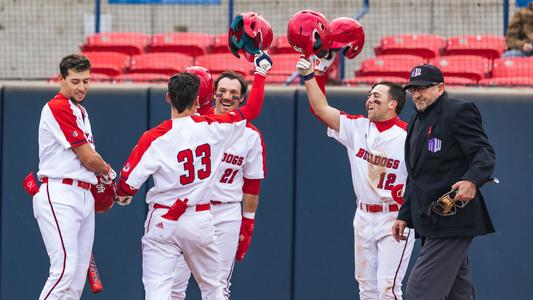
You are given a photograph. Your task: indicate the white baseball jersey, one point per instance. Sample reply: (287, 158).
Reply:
(375, 150)
(181, 155)
(64, 212)
(243, 159)
(63, 125)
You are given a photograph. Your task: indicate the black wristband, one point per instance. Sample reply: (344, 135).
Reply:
(308, 76)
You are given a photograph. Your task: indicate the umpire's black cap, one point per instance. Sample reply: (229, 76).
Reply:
(424, 75)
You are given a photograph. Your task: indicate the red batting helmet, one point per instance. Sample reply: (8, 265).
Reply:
(348, 33)
(104, 196)
(309, 32)
(249, 34)
(206, 91)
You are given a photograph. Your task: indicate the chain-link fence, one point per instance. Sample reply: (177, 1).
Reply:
(36, 34)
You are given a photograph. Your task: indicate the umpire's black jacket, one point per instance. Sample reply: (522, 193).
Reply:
(454, 126)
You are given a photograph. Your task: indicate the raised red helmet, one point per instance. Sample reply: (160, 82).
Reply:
(249, 34)
(309, 32)
(207, 89)
(347, 33)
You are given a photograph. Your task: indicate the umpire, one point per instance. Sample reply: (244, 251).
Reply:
(445, 149)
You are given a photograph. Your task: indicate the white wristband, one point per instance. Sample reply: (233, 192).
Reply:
(248, 215)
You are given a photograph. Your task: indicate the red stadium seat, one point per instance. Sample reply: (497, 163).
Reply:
(283, 64)
(452, 80)
(423, 45)
(190, 43)
(95, 77)
(513, 67)
(99, 77)
(278, 79)
(374, 80)
(110, 63)
(507, 81)
(489, 46)
(219, 44)
(389, 65)
(275, 79)
(130, 43)
(142, 78)
(164, 63)
(220, 62)
(281, 46)
(467, 66)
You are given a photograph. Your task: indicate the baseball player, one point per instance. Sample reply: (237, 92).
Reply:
(68, 164)
(182, 155)
(375, 146)
(238, 180)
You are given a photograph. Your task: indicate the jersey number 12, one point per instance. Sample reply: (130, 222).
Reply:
(386, 181)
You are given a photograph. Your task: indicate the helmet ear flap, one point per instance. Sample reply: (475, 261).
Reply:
(235, 28)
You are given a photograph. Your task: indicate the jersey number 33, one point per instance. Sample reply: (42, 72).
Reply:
(187, 157)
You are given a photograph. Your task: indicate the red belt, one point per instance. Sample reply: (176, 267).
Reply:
(216, 202)
(82, 184)
(198, 207)
(375, 208)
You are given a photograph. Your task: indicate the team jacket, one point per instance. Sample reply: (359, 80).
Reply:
(63, 125)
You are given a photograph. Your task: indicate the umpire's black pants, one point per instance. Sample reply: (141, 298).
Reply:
(442, 271)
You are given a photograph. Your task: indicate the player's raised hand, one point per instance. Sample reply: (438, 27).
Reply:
(398, 229)
(263, 63)
(304, 67)
(322, 64)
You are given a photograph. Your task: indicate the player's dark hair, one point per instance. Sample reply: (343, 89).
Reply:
(76, 62)
(183, 90)
(396, 92)
(233, 75)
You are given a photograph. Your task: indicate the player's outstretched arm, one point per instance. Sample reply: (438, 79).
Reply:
(327, 114)
(253, 106)
(141, 163)
(321, 67)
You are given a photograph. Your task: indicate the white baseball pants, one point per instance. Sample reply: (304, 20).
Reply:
(380, 261)
(65, 214)
(227, 218)
(165, 242)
